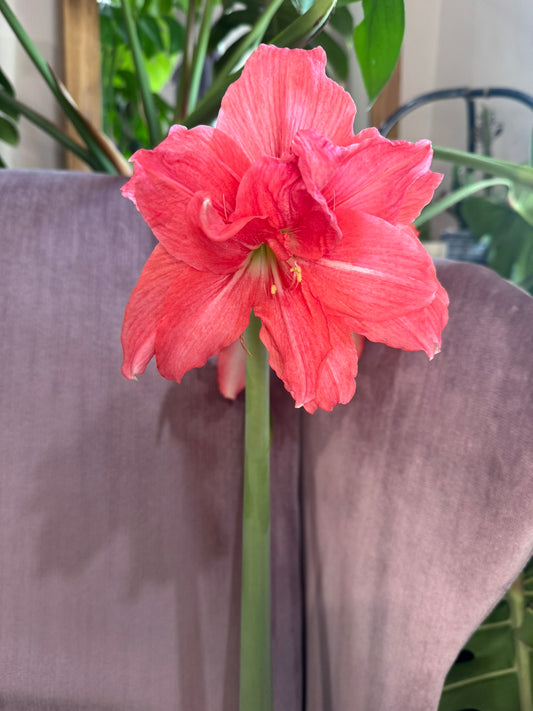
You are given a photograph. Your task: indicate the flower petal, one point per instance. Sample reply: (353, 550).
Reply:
(232, 370)
(166, 179)
(274, 190)
(202, 314)
(144, 311)
(314, 355)
(375, 273)
(280, 92)
(418, 330)
(389, 179)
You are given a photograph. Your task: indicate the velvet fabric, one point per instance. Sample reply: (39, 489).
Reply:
(398, 520)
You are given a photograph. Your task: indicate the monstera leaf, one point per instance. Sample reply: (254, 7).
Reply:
(493, 671)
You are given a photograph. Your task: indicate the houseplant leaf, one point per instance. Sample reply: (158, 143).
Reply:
(378, 40)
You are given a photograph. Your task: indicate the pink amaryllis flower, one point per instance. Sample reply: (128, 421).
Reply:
(281, 209)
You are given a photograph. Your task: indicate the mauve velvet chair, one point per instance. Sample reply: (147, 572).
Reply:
(398, 520)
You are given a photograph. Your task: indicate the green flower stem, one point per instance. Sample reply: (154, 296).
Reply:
(517, 605)
(198, 58)
(522, 174)
(9, 102)
(147, 99)
(256, 656)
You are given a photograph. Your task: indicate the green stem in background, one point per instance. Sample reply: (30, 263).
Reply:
(185, 70)
(256, 655)
(147, 98)
(516, 600)
(72, 113)
(250, 40)
(9, 102)
(522, 174)
(298, 33)
(200, 51)
(435, 208)
(304, 28)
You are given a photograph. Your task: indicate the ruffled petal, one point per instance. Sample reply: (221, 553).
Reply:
(314, 355)
(143, 311)
(388, 179)
(279, 93)
(273, 190)
(232, 370)
(202, 314)
(418, 330)
(375, 273)
(165, 182)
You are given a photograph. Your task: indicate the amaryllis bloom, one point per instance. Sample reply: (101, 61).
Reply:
(282, 210)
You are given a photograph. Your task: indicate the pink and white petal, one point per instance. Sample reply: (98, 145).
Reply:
(143, 310)
(232, 370)
(202, 314)
(316, 361)
(419, 330)
(280, 92)
(273, 190)
(375, 273)
(389, 179)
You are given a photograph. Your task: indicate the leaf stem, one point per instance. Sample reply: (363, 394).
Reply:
(142, 75)
(48, 127)
(435, 208)
(199, 54)
(522, 174)
(182, 99)
(256, 656)
(515, 598)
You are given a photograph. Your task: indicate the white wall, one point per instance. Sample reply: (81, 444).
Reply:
(40, 18)
(476, 43)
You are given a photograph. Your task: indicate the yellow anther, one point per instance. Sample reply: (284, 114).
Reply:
(297, 271)
(273, 289)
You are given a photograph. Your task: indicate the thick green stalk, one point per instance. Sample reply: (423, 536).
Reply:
(517, 606)
(198, 58)
(522, 174)
(147, 99)
(256, 656)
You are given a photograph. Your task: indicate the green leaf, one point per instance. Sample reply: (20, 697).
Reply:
(176, 34)
(493, 671)
(302, 6)
(342, 20)
(438, 206)
(521, 200)
(378, 40)
(8, 131)
(337, 56)
(160, 68)
(6, 84)
(507, 231)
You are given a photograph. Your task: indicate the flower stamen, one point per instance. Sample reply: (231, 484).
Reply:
(297, 271)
